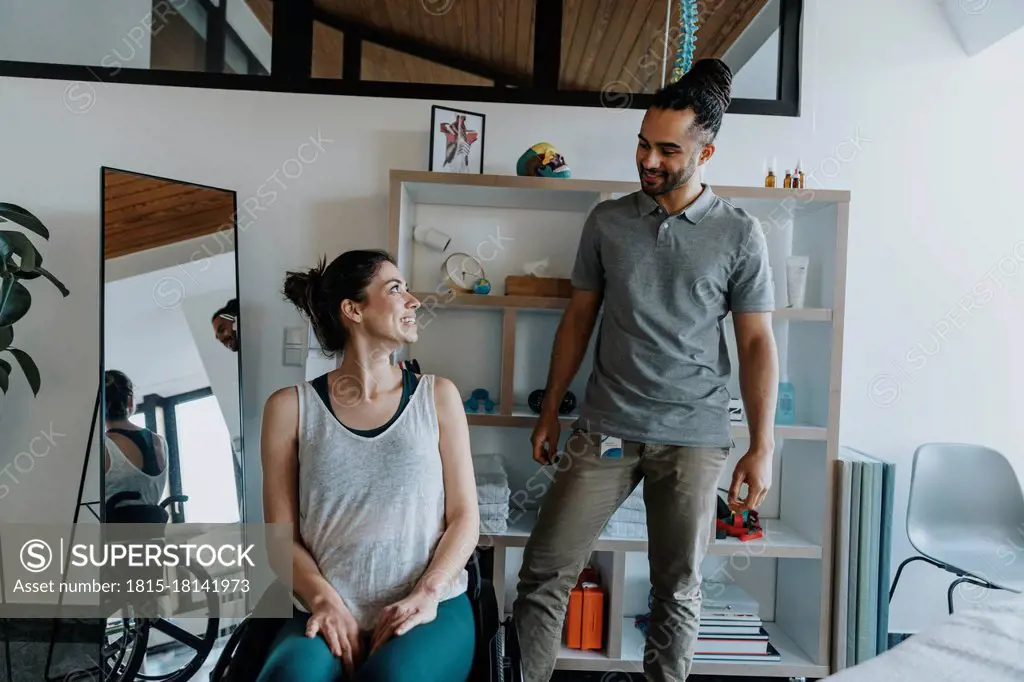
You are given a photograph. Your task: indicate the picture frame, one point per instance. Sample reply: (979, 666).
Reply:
(456, 140)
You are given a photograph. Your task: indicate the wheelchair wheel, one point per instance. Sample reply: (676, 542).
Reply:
(124, 648)
(200, 644)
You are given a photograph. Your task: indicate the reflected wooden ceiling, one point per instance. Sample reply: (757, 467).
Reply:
(604, 43)
(141, 212)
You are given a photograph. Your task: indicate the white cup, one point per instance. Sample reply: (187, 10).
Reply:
(796, 280)
(428, 236)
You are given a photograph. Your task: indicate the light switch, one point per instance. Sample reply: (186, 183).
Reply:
(294, 346)
(294, 336)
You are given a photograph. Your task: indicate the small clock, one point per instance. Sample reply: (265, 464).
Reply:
(461, 272)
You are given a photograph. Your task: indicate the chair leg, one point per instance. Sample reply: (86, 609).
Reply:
(899, 571)
(972, 581)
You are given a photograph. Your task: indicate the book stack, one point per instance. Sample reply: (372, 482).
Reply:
(863, 540)
(730, 626)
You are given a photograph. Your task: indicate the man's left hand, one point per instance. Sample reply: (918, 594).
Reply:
(754, 469)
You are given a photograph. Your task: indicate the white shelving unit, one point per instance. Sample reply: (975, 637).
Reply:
(503, 344)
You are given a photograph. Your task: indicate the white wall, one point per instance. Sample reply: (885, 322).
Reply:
(221, 365)
(926, 139)
(109, 33)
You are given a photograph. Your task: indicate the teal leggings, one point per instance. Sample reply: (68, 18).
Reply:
(438, 651)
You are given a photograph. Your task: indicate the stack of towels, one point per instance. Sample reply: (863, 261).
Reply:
(492, 493)
(630, 519)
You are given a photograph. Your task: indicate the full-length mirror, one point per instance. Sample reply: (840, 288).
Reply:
(171, 395)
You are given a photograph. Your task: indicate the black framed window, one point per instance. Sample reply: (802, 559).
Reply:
(200, 460)
(607, 53)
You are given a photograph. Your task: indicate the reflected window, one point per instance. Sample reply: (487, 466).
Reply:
(204, 461)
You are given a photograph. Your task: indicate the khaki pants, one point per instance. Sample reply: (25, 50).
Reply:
(680, 486)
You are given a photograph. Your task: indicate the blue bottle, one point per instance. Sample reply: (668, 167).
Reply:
(785, 411)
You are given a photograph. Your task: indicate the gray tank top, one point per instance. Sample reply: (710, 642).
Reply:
(371, 509)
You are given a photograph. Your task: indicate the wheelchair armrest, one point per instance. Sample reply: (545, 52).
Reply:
(174, 498)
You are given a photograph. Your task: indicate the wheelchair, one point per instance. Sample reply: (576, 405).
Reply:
(126, 638)
(496, 658)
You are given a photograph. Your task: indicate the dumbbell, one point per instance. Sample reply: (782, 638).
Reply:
(537, 398)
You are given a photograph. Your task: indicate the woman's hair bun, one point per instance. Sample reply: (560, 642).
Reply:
(301, 288)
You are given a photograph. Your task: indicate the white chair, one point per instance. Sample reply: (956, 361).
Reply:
(966, 516)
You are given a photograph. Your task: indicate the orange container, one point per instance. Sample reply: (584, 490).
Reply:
(593, 618)
(584, 618)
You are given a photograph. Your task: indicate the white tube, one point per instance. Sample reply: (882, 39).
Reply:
(796, 280)
(428, 236)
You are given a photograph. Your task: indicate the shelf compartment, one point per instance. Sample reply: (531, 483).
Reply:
(794, 663)
(779, 541)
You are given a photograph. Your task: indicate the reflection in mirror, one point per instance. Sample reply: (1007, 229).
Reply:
(171, 361)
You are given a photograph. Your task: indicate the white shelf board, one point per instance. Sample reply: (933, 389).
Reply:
(794, 663)
(578, 659)
(576, 194)
(523, 417)
(779, 541)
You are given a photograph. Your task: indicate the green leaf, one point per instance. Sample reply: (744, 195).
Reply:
(28, 367)
(17, 214)
(15, 301)
(5, 373)
(6, 336)
(45, 273)
(15, 243)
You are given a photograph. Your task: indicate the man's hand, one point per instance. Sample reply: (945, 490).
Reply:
(545, 438)
(398, 618)
(754, 469)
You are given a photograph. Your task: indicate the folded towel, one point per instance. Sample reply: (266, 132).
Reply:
(622, 529)
(488, 465)
(494, 510)
(493, 526)
(630, 515)
(634, 504)
(492, 496)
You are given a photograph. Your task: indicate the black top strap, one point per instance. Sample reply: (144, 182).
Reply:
(143, 440)
(409, 383)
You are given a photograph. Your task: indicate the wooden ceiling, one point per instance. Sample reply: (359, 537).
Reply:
(141, 212)
(606, 44)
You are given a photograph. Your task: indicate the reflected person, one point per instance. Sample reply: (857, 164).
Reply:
(225, 325)
(135, 458)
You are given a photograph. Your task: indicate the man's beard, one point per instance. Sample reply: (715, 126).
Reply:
(670, 181)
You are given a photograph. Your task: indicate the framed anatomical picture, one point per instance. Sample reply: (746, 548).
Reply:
(456, 141)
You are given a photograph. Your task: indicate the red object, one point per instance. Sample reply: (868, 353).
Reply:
(584, 619)
(740, 529)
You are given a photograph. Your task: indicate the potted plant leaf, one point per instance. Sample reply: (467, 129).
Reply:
(20, 261)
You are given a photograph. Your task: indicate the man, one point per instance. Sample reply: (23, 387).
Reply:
(667, 263)
(225, 325)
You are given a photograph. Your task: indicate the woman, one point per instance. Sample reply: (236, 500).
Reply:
(371, 464)
(135, 458)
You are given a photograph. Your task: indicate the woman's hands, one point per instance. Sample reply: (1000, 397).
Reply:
(398, 618)
(330, 618)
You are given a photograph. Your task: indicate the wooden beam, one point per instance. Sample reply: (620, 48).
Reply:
(352, 58)
(412, 46)
(216, 34)
(547, 44)
(291, 55)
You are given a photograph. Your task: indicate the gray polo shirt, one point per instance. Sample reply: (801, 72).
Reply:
(661, 363)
